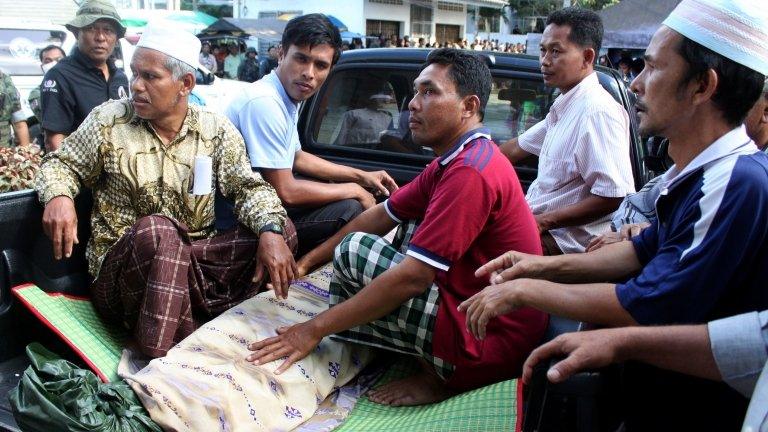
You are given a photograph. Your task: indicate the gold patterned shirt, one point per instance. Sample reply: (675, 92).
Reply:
(133, 174)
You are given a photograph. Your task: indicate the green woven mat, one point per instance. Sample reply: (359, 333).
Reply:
(490, 408)
(75, 320)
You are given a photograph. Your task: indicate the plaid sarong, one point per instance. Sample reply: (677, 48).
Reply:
(162, 285)
(359, 259)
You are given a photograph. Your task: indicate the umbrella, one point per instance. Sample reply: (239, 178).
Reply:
(191, 21)
(350, 35)
(192, 17)
(269, 28)
(339, 25)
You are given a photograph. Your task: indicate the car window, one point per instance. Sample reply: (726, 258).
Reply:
(19, 49)
(514, 105)
(368, 109)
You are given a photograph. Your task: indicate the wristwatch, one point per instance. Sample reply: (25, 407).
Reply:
(271, 227)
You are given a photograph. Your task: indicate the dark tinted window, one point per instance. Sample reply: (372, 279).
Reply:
(368, 109)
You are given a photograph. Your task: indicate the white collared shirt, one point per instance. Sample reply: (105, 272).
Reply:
(583, 149)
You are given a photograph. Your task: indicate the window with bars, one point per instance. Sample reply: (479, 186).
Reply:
(421, 21)
(391, 2)
(450, 6)
(378, 27)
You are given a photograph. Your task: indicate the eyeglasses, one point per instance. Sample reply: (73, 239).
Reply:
(105, 30)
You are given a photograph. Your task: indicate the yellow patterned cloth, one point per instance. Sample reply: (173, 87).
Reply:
(132, 174)
(205, 384)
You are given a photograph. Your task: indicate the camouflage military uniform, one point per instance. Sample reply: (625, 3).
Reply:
(34, 102)
(35, 123)
(10, 108)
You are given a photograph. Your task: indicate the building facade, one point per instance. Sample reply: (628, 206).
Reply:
(172, 5)
(433, 20)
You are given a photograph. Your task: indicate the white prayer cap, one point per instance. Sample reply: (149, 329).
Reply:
(735, 29)
(172, 41)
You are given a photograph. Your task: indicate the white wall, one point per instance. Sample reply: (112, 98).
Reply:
(450, 18)
(350, 12)
(387, 12)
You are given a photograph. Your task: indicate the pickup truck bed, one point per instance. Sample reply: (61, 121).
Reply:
(25, 251)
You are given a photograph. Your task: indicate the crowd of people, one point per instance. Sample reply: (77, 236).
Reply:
(224, 206)
(478, 44)
(227, 60)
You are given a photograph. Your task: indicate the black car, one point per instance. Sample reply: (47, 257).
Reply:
(380, 80)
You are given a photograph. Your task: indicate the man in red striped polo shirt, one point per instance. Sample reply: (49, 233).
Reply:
(465, 208)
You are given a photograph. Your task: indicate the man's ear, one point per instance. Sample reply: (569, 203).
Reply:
(471, 106)
(764, 116)
(589, 56)
(705, 87)
(187, 83)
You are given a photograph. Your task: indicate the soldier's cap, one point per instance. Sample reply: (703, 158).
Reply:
(251, 50)
(94, 10)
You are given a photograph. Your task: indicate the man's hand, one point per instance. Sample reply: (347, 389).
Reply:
(364, 197)
(60, 225)
(302, 267)
(489, 303)
(543, 222)
(512, 265)
(274, 255)
(630, 230)
(583, 350)
(378, 181)
(626, 233)
(604, 239)
(294, 342)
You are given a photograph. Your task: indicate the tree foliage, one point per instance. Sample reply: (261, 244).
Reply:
(524, 8)
(595, 4)
(544, 7)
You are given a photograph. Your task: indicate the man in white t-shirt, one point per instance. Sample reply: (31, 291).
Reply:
(266, 116)
(582, 144)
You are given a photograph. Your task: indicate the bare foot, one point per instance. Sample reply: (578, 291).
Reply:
(419, 389)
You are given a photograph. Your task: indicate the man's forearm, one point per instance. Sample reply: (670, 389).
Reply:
(593, 303)
(21, 132)
(373, 221)
(583, 212)
(384, 294)
(684, 349)
(310, 165)
(612, 262)
(300, 193)
(53, 140)
(512, 150)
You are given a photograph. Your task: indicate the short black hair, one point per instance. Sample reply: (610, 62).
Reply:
(738, 86)
(313, 30)
(468, 71)
(49, 48)
(586, 26)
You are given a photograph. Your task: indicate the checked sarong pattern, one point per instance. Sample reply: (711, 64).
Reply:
(360, 258)
(160, 284)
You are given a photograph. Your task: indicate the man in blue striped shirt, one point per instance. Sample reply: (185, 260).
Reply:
(706, 256)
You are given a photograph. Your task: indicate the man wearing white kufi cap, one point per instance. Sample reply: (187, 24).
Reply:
(706, 257)
(155, 164)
